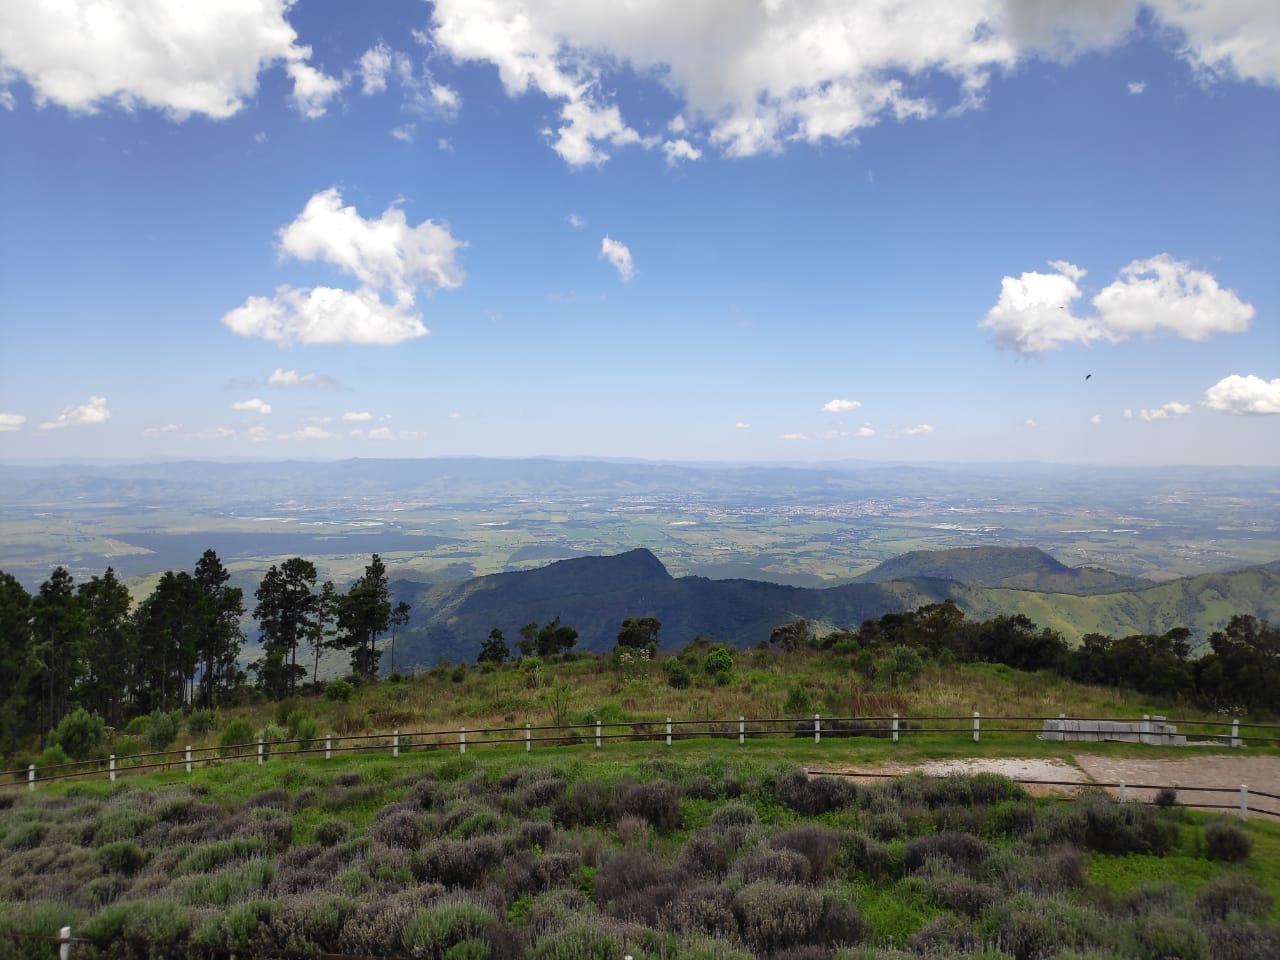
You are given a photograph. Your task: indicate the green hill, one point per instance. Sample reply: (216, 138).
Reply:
(594, 595)
(1018, 568)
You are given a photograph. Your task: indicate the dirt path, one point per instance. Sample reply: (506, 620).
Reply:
(1261, 774)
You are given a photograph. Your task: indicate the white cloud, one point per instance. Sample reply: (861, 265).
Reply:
(94, 411)
(384, 254)
(259, 434)
(252, 406)
(455, 415)
(1137, 87)
(756, 76)
(10, 422)
(677, 150)
(795, 436)
(1171, 409)
(1157, 295)
(1163, 294)
(1128, 414)
(404, 133)
(381, 433)
(1243, 395)
(1096, 418)
(158, 431)
(446, 98)
(324, 315)
(840, 406)
(223, 433)
(1031, 423)
(260, 137)
(444, 145)
(312, 90)
(306, 433)
(292, 378)
(374, 64)
(7, 100)
(183, 58)
(357, 415)
(618, 254)
(1227, 40)
(742, 426)
(575, 221)
(917, 430)
(865, 431)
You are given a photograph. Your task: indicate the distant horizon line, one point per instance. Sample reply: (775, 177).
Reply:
(642, 461)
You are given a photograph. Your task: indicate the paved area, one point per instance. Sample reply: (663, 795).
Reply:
(1227, 773)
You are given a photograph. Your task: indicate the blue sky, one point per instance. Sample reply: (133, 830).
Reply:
(695, 230)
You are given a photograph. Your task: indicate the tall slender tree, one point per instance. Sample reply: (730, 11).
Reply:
(111, 645)
(18, 664)
(168, 622)
(323, 632)
(287, 613)
(58, 631)
(220, 636)
(364, 615)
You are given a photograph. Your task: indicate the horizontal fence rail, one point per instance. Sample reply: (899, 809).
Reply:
(1152, 730)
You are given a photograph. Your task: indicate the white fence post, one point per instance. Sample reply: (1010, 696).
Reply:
(111, 768)
(188, 758)
(742, 730)
(975, 726)
(1122, 792)
(895, 728)
(597, 734)
(462, 740)
(31, 776)
(1146, 728)
(328, 746)
(395, 742)
(668, 732)
(1235, 733)
(817, 728)
(528, 737)
(1244, 801)
(64, 949)
(259, 751)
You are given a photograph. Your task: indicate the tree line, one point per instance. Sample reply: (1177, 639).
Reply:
(87, 645)
(1240, 670)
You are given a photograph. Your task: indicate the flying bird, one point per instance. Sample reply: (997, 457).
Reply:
(1088, 375)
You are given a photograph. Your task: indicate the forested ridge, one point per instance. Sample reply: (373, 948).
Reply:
(85, 647)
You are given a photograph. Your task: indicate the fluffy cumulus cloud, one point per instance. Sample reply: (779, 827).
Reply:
(1167, 412)
(86, 414)
(1137, 86)
(918, 430)
(252, 406)
(618, 255)
(1244, 395)
(183, 58)
(740, 425)
(754, 76)
(160, 431)
(374, 64)
(1159, 295)
(10, 422)
(840, 406)
(357, 415)
(386, 256)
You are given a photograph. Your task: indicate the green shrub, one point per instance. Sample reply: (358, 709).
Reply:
(126, 746)
(774, 916)
(163, 729)
(433, 930)
(237, 734)
(215, 853)
(122, 856)
(301, 726)
(230, 884)
(718, 662)
(138, 726)
(339, 691)
(798, 702)
(679, 676)
(1232, 893)
(1226, 839)
(51, 756)
(201, 721)
(78, 733)
(582, 941)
